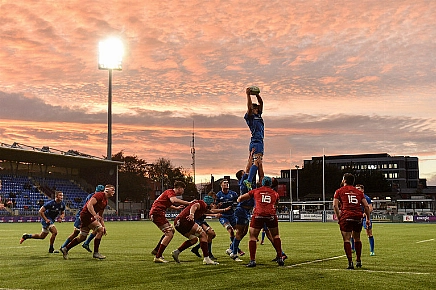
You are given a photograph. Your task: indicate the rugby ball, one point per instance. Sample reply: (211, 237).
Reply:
(254, 90)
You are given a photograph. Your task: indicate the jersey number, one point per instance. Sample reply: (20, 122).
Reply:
(352, 199)
(266, 198)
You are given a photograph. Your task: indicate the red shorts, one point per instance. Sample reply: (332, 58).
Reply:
(183, 226)
(350, 225)
(159, 219)
(258, 222)
(86, 220)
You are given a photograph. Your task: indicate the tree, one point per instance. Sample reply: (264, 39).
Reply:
(133, 183)
(164, 172)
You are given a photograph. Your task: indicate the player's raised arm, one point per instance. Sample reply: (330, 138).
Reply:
(249, 102)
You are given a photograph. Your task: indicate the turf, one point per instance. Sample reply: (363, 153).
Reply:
(405, 259)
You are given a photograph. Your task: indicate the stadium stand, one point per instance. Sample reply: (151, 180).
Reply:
(23, 195)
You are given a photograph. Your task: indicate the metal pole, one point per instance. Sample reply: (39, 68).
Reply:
(324, 216)
(291, 211)
(109, 119)
(296, 166)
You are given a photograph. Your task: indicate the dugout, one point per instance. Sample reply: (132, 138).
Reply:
(46, 162)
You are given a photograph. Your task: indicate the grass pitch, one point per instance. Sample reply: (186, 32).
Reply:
(405, 259)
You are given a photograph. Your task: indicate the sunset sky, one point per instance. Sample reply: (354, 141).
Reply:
(346, 77)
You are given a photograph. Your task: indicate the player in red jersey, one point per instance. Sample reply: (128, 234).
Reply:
(91, 218)
(350, 216)
(166, 200)
(186, 225)
(264, 213)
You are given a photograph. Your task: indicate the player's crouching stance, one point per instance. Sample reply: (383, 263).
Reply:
(264, 214)
(91, 217)
(185, 224)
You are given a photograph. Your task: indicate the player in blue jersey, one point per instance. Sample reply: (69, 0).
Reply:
(77, 223)
(253, 118)
(369, 228)
(243, 209)
(50, 212)
(225, 198)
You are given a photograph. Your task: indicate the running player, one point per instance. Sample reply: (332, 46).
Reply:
(50, 212)
(91, 218)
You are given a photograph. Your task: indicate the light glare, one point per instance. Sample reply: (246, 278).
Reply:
(110, 54)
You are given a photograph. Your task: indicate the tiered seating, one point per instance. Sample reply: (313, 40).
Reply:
(19, 193)
(74, 196)
(24, 195)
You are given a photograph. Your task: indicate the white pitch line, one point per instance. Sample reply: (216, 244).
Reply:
(424, 241)
(385, 272)
(316, 261)
(360, 270)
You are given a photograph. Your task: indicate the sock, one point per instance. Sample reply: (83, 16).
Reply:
(196, 248)
(232, 238)
(252, 173)
(235, 246)
(89, 239)
(347, 248)
(263, 236)
(162, 248)
(352, 244)
(67, 241)
(96, 245)
(252, 247)
(204, 248)
(72, 244)
(358, 245)
(209, 246)
(156, 249)
(278, 246)
(371, 243)
(185, 245)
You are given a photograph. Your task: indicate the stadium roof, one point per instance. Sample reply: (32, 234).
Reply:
(50, 156)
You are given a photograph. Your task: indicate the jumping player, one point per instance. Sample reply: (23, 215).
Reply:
(253, 118)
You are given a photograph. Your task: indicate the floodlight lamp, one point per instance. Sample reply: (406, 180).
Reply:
(110, 54)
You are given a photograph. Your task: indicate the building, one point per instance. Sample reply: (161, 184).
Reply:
(410, 194)
(402, 172)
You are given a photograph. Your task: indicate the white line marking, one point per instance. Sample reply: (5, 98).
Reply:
(381, 271)
(316, 261)
(424, 241)
(360, 270)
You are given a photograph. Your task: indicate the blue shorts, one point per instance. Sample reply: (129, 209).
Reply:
(77, 223)
(228, 219)
(46, 225)
(242, 216)
(258, 147)
(364, 224)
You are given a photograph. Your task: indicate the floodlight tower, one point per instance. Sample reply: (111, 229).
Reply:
(193, 152)
(110, 58)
